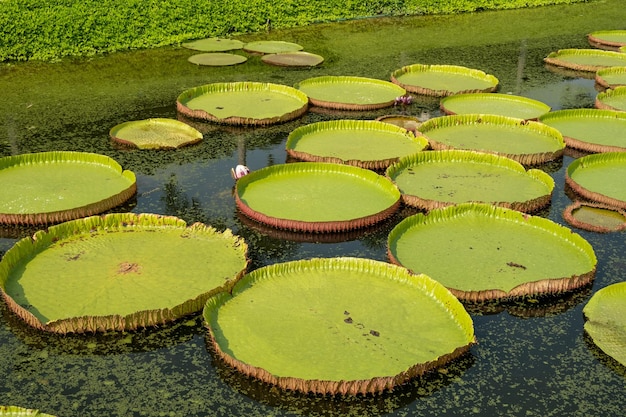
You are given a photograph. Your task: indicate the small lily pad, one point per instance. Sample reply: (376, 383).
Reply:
(271, 47)
(293, 59)
(350, 93)
(264, 328)
(214, 45)
(443, 80)
(606, 320)
(585, 59)
(217, 59)
(595, 217)
(613, 99)
(158, 133)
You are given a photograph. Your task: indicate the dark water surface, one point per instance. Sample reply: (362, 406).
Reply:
(531, 360)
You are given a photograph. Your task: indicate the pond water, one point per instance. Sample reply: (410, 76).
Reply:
(531, 359)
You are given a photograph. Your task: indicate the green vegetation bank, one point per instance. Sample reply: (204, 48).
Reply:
(52, 29)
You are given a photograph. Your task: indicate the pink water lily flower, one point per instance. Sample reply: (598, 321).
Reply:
(239, 171)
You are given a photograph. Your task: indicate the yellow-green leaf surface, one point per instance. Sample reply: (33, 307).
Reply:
(456, 176)
(586, 59)
(606, 320)
(480, 247)
(337, 319)
(158, 133)
(119, 264)
(443, 80)
(611, 77)
(214, 44)
(217, 59)
(493, 103)
(613, 99)
(13, 411)
(600, 175)
(351, 90)
(358, 140)
(271, 47)
(53, 182)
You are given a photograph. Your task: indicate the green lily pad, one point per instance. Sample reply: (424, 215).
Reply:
(158, 133)
(585, 59)
(435, 179)
(271, 47)
(493, 103)
(12, 411)
(443, 80)
(611, 77)
(217, 59)
(595, 217)
(266, 326)
(350, 93)
(293, 59)
(214, 45)
(243, 103)
(365, 143)
(316, 197)
(590, 130)
(607, 39)
(599, 178)
(606, 320)
(51, 187)
(482, 252)
(527, 142)
(118, 272)
(613, 99)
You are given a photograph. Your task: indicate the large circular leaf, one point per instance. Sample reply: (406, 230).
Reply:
(614, 99)
(271, 47)
(611, 77)
(158, 133)
(217, 59)
(585, 59)
(435, 179)
(606, 320)
(365, 143)
(267, 327)
(527, 142)
(590, 130)
(118, 272)
(600, 178)
(595, 217)
(316, 197)
(443, 80)
(493, 103)
(51, 187)
(293, 59)
(350, 93)
(214, 45)
(243, 103)
(481, 252)
(607, 39)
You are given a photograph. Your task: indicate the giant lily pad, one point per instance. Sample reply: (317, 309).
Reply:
(118, 272)
(316, 197)
(243, 103)
(607, 39)
(265, 328)
(443, 80)
(293, 59)
(611, 77)
(613, 99)
(365, 143)
(493, 103)
(606, 320)
(481, 252)
(527, 142)
(350, 93)
(51, 187)
(435, 179)
(13, 411)
(590, 130)
(585, 59)
(217, 59)
(156, 133)
(271, 47)
(214, 45)
(600, 178)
